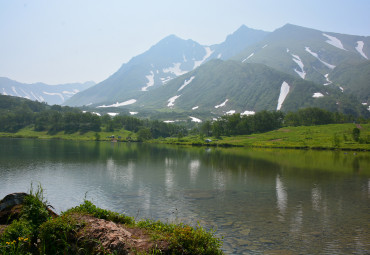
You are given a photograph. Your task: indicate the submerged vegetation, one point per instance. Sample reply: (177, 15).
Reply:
(87, 229)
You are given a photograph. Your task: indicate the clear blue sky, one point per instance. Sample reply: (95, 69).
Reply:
(79, 40)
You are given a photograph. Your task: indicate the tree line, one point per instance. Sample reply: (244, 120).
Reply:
(16, 113)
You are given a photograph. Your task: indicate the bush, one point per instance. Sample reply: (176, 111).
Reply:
(56, 236)
(89, 208)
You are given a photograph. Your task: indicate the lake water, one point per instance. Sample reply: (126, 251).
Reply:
(261, 201)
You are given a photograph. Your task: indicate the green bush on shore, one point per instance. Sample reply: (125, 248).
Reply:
(38, 232)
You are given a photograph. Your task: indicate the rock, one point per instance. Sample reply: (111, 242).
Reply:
(12, 200)
(11, 207)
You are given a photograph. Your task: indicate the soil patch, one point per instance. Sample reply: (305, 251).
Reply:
(112, 237)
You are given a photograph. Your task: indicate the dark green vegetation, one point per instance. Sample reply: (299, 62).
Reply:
(16, 113)
(37, 231)
(24, 118)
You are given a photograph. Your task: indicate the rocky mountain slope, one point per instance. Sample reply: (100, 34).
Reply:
(51, 94)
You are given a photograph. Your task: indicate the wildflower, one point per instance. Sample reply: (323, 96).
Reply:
(7, 243)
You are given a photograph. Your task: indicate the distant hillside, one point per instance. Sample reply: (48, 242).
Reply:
(166, 60)
(226, 87)
(51, 94)
(315, 55)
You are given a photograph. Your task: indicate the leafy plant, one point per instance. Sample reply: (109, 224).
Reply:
(57, 235)
(89, 208)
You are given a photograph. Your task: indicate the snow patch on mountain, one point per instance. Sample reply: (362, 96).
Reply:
(175, 69)
(193, 119)
(133, 113)
(150, 82)
(184, 58)
(166, 79)
(113, 113)
(231, 112)
(317, 56)
(328, 82)
(247, 113)
(54, 94)
(16, 92)
(169, 121)
(4, 92)
(299, 62)
(341, 88)
(317, 95)
(284, 90)
(287, 50)
(222, 104)
(360, 47)
(219, 55)
(208, 54)
(96, 113)
(251, 55)
(334, 41)
(128, 102)
(171, 101)
(186, 82)
(195, 107)
(68, 92)
(264, 46)
(36, 97)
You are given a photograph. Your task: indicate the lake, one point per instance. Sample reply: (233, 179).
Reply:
(263, 201)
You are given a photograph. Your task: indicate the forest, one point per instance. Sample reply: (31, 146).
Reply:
(17, 113)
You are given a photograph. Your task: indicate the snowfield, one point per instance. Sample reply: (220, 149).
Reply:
(222, 104)
(284, 90)
(113, 113)
(54, 94)
(317, 56)
(133, 113)
(231, 112)
(128, 102)
(186, 82)
(208, 54)
(317, 95)
(247, 113)
(328, 82)
(175, 69)
(334, 41)
(193, 119)
(251, 55)
(150, 82)
(171, 101)
(195, 107)
(299, 62)
(360, 47)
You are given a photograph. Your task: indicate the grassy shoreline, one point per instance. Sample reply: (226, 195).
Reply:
(321, 137)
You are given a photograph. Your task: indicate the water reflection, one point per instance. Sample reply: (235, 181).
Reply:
(282, 198)
(242, 193)
(316, 198)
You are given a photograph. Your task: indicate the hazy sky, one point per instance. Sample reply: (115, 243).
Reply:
(65, 41)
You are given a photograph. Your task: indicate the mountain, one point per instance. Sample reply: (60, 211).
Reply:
(237, 42)
(287, 69)
(168, 59)
(226, 87)
(314, 55)
(51, 94)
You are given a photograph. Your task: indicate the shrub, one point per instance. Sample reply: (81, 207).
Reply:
(56, 236)
(89, 208)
